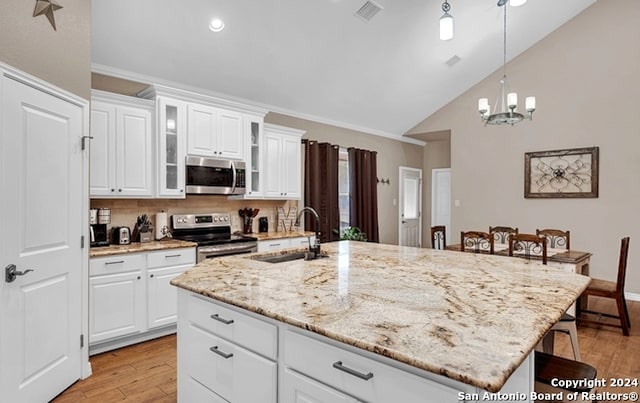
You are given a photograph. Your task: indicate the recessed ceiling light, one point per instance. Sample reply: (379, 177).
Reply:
(516, 3)
(216, 25)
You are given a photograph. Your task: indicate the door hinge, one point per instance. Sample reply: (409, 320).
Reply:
(82, 242)
(82, 341)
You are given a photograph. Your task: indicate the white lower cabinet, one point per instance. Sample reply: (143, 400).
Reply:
(225, 352)
(229, 353)
(130, 295)
(116, 296)
(283, 243)
(298, 388)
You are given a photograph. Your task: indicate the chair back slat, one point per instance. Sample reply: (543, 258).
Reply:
(622, 264)
(476, 241)
(529, 245)
(556, 238)
(439, 237)
(501, 234)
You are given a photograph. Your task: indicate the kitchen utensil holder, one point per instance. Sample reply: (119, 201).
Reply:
(248, 225)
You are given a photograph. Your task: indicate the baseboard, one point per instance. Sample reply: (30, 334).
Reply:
(632, 296)
(113, 344)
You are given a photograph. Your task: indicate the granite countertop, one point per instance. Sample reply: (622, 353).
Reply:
(470, 317)
(265, 236)
(135, 247)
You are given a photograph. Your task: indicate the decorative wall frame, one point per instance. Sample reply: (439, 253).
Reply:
(571, 173)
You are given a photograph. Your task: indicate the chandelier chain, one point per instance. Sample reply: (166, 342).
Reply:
(445, 6)
(504, 54)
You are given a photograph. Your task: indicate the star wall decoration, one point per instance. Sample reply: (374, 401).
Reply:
(47, 7)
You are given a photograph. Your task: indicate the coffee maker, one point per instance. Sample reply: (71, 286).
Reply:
(98, 220)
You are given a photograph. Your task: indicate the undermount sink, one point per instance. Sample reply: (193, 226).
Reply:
(287, 257)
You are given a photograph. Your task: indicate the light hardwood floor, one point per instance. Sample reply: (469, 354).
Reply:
(146, 372)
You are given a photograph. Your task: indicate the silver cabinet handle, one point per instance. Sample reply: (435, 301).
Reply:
(114, 262)
(221, 353)
(168, 256)
(219, 319)
(338, 365)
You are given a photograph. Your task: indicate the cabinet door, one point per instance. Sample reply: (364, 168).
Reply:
(254, 157)
(116, 305)
(172, 136)
(202, 130)
(133, 152)
(230, 135)
(291, 170)
(273, 177)
(162, 296)
(102, 149)
(300, 389)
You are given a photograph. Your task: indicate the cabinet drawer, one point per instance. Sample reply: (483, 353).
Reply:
(191, 390)
(230, 371)
(332, 365)
(300, 389)
(253, 334)
(301, 241)
(116, 264)
(273, 244)
(171, 257)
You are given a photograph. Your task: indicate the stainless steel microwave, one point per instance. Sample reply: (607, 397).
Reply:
(214, 176)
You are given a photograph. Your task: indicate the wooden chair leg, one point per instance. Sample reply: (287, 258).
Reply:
(626, 311)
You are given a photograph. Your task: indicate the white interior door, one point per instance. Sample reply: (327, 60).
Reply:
(410, 207)
(441, 199)
(42, 182)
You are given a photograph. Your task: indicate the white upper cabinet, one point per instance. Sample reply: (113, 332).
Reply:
(214, 132)
(172, 147)
(122, 156)
(283, 162)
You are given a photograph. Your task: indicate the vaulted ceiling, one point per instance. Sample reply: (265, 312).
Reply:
(314, 58)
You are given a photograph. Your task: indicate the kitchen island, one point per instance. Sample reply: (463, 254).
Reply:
(436, 325)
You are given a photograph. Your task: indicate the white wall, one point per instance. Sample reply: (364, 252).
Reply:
(586, 78)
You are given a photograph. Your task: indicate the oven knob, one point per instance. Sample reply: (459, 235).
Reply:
(226, 218)
(215, 219)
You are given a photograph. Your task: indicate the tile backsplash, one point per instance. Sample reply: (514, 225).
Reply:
(125, 211)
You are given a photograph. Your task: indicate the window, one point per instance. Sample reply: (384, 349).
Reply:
(343, 188)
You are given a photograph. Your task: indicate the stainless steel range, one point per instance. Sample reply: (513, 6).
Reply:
(212, 233)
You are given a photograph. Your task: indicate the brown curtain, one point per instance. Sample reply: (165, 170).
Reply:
(321, 187)
(364, 192)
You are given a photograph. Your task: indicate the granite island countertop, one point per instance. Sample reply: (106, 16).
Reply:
(470, 317)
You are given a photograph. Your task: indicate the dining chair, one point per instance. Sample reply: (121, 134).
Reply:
(476, 241)
(501, 234)
(610, 289)
(556, 238)
(439, 237)
(533, 245)
(528, 245)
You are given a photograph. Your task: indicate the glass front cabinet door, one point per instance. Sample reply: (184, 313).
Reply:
(253, 125)
(171, 147)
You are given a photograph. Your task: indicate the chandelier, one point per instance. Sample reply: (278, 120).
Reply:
(507, 114)
(446, 22)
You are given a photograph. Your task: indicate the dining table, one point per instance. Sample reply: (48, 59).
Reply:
(569, 260)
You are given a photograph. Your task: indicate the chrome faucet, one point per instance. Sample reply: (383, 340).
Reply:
(315, 248)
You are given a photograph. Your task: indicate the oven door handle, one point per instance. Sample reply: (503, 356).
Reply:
(233, 171)
(227, 249)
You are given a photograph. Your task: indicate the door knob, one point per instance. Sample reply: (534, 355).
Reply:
(11, 272)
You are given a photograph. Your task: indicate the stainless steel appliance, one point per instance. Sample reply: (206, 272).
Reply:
(121, 235)
(212, 233)
(214, 176)
(98, 220)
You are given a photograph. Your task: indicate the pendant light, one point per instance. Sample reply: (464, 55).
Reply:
(446, 23)
(508, 100)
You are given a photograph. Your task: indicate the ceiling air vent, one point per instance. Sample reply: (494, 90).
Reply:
(368, 11)
(451, 62)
